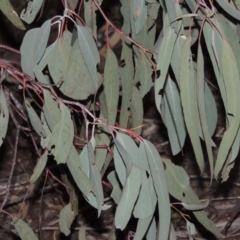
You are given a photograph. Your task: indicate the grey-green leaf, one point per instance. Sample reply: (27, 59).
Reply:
(41, 164)
(89, 52)
(116, 192)
(111, 85)
(173, 116)
(160, 185)
(29, 14)
(4, 117)
(79, 176)
(189, 102)
(24, 231)
(139, 14)
(136, 109)
(66, 219)
(8, 10)
(128, 198)
(34, 119)
(164, 58)
(179, 188)
(61, 139)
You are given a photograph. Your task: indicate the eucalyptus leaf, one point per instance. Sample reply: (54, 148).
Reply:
(66, 219)
(24, 231)
(8, 10)
(61, 139)
(34, 119)
(30, 13)
(4, 117)
(128, 198)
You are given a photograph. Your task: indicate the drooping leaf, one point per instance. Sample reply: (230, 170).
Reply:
(173, 116)
(179, 187)
(172, 14)
(79, 176)
(44, 141)
(89, 52)
(111, 85)
(129, 149)
(49, 51)
(96, 180)
(136, 109)
(67, 67)
(90, 16)
(116, 192)
(51, 110)
(164, 58)
(231, 79)
(8, 10)
(139, 14)
(128, 198)
(66, 219)
(27, 50)
(189, 102)
(126, 75)
(4, 117)
(143, 207)
(142, 156)
(41, 41)
(29, 14)
(145, 71)
(153, 10)
(41, 164)
(122, 162)
(125, 11)
(34, 119)
(229, 9)
(201, 107)
(142, 227)
(84, 159)
(61, 139)
(160, 185)
(24, 231)
(152, 230)
(208, 34)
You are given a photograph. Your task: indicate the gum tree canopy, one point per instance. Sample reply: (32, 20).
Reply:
(90, 121)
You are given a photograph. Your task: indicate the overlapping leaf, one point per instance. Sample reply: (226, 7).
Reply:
(34, 119)
(231, 79)
(189, 102)
(79, 176)
(89, 52)
(179, 188)
(67, 67)
(61, 139)
(164, 58)
(173, 116)
(160, 185)
(128, 198)
(139, 13)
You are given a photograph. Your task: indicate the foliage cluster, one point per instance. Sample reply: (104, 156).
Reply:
(87, 119)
